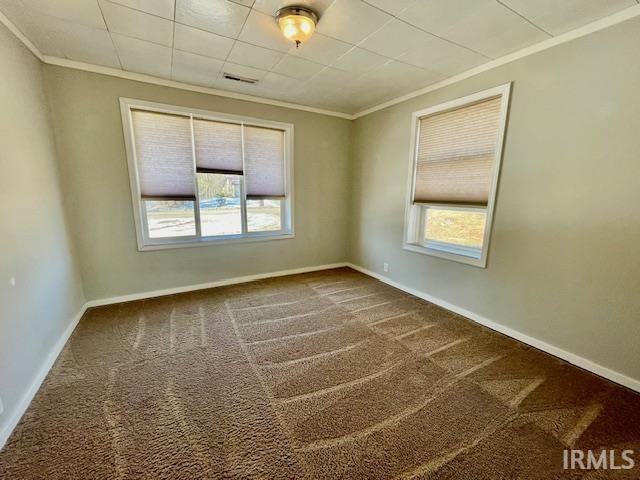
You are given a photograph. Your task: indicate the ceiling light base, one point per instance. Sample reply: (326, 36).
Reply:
(297, 23)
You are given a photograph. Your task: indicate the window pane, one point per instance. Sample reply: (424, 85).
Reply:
(455, 226)
(263, 215)
(170, 218)
(219, 204)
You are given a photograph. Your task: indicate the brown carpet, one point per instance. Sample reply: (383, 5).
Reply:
(323, 375)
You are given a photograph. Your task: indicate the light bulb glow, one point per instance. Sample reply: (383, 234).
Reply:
(290, 30)
(306, 27)
(296, 23)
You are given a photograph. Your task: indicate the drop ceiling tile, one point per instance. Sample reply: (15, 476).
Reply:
(394, 74)
(332, 79)
(309, 95)
(88, 45)
(246, 3)
(143, 57)
(557, 17)
(394, 7)
(270, 7)
(216, 16)
(336, 103)
(274, 82)
(367, 94)
(137, 24)
(61, 38)
(208, 44)
(482, 25)
(243, 71)
(262, 30)
(394, 38)
(281, 95)
(372, 92)
(358, 60)
(84, 12)
(252, 56)
(12, 7)
(160, 8)
(39, 28)
(437, 16)
(321, 49)
(441, 56)
(196, 69)
(295, 67)
(351, 21)
(358, 77)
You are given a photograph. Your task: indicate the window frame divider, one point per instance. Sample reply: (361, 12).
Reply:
(243, 188)
(196, 206)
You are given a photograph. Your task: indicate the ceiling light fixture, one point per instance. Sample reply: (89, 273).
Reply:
(297, 23)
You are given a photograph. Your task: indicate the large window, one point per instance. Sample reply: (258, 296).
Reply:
(206, 177)
(455, 165)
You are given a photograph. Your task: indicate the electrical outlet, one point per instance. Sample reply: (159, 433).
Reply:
(385, 266)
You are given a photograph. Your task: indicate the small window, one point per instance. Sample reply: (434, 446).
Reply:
(203, 177)
(454, 175)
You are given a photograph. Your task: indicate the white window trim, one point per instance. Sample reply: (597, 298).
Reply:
(414, 213)
(144, 242)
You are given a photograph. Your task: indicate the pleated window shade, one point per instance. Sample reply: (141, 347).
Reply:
(264, 162)
(218, 147)
(456, 155)
(164, 155)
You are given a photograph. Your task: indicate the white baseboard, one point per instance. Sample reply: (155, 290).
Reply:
(217, 283)
(572, 358)
(14, 419)
(55, 352)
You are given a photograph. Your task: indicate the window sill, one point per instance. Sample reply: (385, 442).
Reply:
(476, 262)
(209, 242)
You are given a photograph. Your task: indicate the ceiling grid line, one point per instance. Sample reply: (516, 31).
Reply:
(173, 43)
(525, 18)
(396, 16)
(110, 37)
(235, 40)
(338, 71)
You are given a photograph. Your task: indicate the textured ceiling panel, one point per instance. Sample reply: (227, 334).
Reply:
(364, 52)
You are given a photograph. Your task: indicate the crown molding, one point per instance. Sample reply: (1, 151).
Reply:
(139, 77)
(587, 29)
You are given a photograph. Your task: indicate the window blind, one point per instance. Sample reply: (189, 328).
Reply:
(456, 153)
(218, 147)
(164, 155)
(264, 162)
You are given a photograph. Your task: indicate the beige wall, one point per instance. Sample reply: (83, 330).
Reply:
(95, 179)
(564, 262)
(35, 246)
